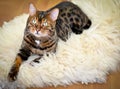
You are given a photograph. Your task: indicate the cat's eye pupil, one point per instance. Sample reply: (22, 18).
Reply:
(34, 21)
(45, 23)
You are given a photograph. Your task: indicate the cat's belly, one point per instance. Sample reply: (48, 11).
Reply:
(41, 51)
(37, 51)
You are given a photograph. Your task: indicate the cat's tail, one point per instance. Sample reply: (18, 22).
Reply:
(89, 23)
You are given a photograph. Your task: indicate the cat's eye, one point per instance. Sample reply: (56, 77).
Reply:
(34, 21)
(45, 24)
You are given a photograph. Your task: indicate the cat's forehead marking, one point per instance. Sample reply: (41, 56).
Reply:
(41, 15)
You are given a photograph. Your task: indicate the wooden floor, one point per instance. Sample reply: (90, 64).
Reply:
(11, 8)
(111, 83)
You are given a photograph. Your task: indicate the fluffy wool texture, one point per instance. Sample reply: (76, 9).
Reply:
(85, 58)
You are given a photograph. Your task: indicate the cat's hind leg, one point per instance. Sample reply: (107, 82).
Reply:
(88, 24)
(36, 60)
(78, 29)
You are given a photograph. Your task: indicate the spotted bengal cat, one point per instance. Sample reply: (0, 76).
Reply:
(45, 28)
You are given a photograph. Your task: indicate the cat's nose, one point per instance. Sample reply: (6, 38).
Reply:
(39, 29)
(36, 31)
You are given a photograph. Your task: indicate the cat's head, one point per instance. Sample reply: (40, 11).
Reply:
(41, 23)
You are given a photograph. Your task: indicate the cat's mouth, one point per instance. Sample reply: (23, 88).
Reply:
(40, 34)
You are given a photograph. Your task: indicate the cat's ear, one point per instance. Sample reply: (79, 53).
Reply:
(32, 10)
(53, 15)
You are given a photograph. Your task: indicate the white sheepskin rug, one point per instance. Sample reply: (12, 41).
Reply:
(85, 58)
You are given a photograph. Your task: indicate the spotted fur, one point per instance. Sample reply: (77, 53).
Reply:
(70, 19)
(44, 28)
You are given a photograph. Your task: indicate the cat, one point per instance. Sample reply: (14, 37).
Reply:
(45, 28)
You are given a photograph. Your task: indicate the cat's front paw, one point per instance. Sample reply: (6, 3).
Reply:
(12, 76)
(36, 60)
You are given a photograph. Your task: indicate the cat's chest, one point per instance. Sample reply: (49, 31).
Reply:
(37, 42)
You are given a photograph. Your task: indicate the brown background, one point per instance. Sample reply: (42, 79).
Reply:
(11, 8)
